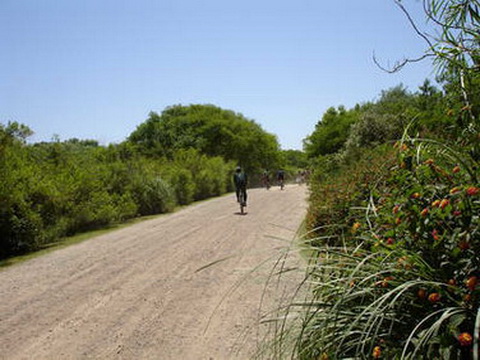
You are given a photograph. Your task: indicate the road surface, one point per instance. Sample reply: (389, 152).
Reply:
(188, 285)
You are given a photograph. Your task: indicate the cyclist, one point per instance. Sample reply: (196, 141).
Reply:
(266, 179)
(281, 178)
(240, 180)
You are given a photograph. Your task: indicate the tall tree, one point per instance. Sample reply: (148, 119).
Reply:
(212, 131)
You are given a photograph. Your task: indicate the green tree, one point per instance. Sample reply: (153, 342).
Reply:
(209, 129)
(294, 159)
(331, 132)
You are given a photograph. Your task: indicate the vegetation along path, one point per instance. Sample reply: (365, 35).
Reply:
(147, 292)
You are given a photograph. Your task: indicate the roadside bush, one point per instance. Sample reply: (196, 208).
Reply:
(182, 183)
(211, 175)
(395, 261)
(153, 196)
(339, 192)
(372, 130)
(21, 230)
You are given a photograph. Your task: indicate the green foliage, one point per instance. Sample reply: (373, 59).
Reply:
(348, 132)
(210, 130)
(331, 132)
(182, 183)
(210, 176)
(295, 159)
(153, 196)
(51, 190)
(395, 238)
(396, 256)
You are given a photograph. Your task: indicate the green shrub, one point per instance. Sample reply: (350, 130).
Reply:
(182, 183)
(153, 196)
(395, 261)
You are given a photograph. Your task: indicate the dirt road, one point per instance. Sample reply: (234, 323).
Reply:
(146, 292)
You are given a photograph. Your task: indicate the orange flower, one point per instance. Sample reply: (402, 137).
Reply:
(415, 195)
(435, 235)
(472, 190)
(398, 221)
(424, 212)
(472, 282)
(444, 203)
(390, 241)
(452, 282)
(434, 297)
(428, 162)
(377, 352)
(355, 227)
(436, 203)
(422, 294)
(404, 147)
(457, 213)
(456, 169)
(465, 339)
(454, 190)
(396, 208)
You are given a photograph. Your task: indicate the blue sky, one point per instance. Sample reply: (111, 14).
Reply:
(94, 69)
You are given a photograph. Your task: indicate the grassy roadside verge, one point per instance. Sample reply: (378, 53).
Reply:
(78, 238)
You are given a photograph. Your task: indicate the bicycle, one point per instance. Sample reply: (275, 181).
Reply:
(266, 182)
(242, 201)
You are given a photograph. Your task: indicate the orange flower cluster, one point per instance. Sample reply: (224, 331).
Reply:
(455, 190)
(355, 227)
(472, 190)
(377, 352)
(465, 339)
(422, 294)
(434, 297)
(472, 282)
(415, 195)
(444, 203)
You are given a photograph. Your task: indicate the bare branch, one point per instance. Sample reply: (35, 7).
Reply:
(412, 23)
(400, 64)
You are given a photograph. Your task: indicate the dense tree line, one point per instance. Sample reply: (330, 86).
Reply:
(54, 189)
(425, 111)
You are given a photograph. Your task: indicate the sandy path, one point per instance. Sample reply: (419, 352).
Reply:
(136, 293)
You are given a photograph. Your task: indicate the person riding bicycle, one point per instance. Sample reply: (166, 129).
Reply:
(280, 177)
(266, 179)
(240, 180)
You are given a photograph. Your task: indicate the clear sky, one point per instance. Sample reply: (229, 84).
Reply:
(94, 69)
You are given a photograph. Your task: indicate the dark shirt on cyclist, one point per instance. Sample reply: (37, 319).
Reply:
(240, 180)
